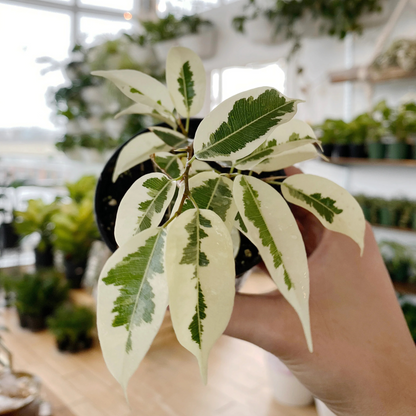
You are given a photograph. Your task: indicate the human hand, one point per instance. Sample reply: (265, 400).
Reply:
(364, 359)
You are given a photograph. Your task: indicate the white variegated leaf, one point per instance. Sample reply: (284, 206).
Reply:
(140, 87)
(143, 206)
(201, 273)
(286, 159)
(186, 79)
(240, 124)
(198, 167)
(288, 136)
(211, 191)
(170, 137)
(146, 110)
(137, 151)
(273, 229)
(330, 203)
(171, 164)
(236, 239)
(132, 301)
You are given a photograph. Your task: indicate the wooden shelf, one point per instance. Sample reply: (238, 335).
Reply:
(410, 163)
(405, 288)
(370, 75)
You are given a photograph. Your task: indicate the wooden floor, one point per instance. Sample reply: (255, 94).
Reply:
(167, 382)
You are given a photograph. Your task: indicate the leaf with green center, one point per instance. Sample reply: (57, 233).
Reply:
(273, 230)
(335, 208)
(288, 136)
(170, 163)
(198, 167)
(170, 137)
(141, 88)
(211, 191)
(239, 223)
(132, 301)
(241, 124)
(143, 206)
(200, 279)
(137, 151)
(146, 110)
(186, 80)
(286, 159)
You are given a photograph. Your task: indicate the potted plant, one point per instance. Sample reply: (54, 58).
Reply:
(192, 32)
(173, 226)
(342, 134)
(365, 204)
(326, 136)
(38, 218)
(74, 233)
(37, 296)
(398, 260)
(72, 326)
(389, 212)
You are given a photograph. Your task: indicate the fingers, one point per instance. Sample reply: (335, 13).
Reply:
(292, 170)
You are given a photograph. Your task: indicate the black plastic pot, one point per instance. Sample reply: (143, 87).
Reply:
(66, 344)
(341, 150)
(33, 323)
(397, 151)
(44, 258)
(376, 150)
(8, 236)
(108, 196)
(74, 272)
(327, 149)
(357, 151)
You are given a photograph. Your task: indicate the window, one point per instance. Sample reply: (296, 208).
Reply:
(227, 82)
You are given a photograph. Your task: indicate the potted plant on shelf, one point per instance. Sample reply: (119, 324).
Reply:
(38, 218)
(389, 212)
(326, 136)
(37, 296)
(365, 204)
(398, 260)
(74, 233)
(192, 32)
(342, 134)
(173, 226)
(72, 326)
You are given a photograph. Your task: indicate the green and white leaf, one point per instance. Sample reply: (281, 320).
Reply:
(141, 88)
(236, 239)
(186, 79)
(138, 150)
(274, 231)
(335, 208)
(201, 275)
(239, 224)
(170, 163)
(132, 301)
(286, 159)
(240, 124)
(143, 206)
(170, 137)
(211, 191)
(198, 167)
(146, 110)
(291, 135)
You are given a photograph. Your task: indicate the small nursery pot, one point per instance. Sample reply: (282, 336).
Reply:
(66, 344)
(341, 150)
(414, 151)
(74, 272)
(32, 323)
(8, 236)
(108, 196)
(328, 149)
(387, 216)
(397, 151)
(44, 258)
(357, 151)
(376, 150)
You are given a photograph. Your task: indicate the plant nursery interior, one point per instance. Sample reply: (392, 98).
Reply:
(78, 310)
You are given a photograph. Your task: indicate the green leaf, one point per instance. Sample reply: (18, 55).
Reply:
(271, 227)
(334, 207)
(211, 191)
(201, 280)
(137, 151)
(261, 153)
(132, 301)
(186, 79)
(143, 206)
(240, 124)
(170, 137)
(241, 226)
(170, 163)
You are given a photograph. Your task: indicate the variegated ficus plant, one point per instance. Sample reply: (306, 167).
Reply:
(174, 226)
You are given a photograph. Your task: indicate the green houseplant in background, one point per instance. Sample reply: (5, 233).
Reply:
(38, 218)
(409, 311)
(72, 326)
(340, 132)
(37, 296)
(398, 259)
(188, 261)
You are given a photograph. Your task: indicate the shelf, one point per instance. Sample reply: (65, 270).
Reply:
(405, 288)
(386, 227)
(410, 163)
(370, 75)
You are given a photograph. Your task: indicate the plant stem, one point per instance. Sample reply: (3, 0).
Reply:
(275, 183)
(184, 131)
(272, 178)
(170, 220)
(231, 170)
(152, 157)
(187, 126)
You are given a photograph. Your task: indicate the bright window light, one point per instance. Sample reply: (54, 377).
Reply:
(111, 4)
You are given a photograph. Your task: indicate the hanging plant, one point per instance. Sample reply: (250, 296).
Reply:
(186, 260)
